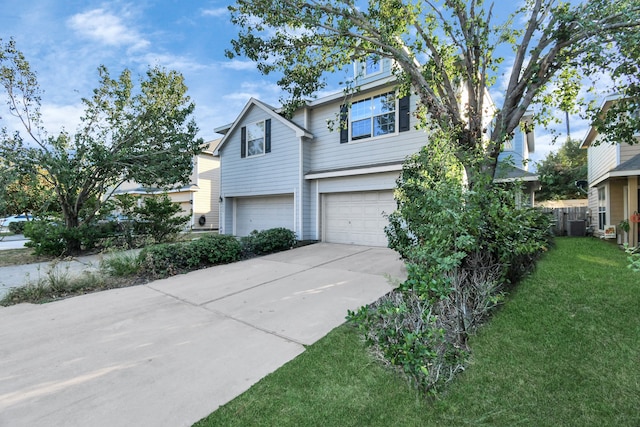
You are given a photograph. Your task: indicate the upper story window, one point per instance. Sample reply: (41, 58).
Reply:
(372, 66)
(507, 145)
(375, 116)
(256, 139)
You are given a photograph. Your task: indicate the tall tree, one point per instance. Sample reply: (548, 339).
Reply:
(145, 134)
(439, 47)
(559, 171)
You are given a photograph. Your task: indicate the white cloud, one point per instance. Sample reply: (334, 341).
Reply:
(241, 96)
(239, 65)
(106, 28)
(173, 62)
(58, 117)
(221, 11)
(55, 118)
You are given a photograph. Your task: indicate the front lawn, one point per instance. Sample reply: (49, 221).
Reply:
(564, 350)
(21, 256)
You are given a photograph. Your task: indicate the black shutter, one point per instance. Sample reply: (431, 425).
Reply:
(403, 114)
(243, 142)
(344, 124)
(267, 136)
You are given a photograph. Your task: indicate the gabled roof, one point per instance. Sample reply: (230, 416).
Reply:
(629, 168)
(631, 165)
(508, 173)
(210, 147)
(593, 133)
(155, 190)
(227, 130)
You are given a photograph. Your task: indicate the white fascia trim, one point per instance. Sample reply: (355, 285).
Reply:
(352, 172)
(600, 179)
(617, 174)
(523, 179)
(237, 194)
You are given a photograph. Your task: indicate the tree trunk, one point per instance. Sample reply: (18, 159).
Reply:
(71, 235)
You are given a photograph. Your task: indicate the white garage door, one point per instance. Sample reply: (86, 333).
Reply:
(262, 213)
(357, 218)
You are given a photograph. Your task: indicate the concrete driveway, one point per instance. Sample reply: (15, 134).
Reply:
(170, 352)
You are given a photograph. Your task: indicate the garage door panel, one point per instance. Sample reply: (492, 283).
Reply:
(357, 217)
(262, 213)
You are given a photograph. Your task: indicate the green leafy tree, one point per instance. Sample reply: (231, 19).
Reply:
(440, 47)
(27, 193)
(141, 133)
(7, 175)
(559, 172)
(159, 218)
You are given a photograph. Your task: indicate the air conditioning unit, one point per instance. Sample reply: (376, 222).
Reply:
(577, 228)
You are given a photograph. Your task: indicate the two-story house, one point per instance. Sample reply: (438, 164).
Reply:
(199, 199)
(330, 185)
(334, 185)
(614, 191)
(513, 162)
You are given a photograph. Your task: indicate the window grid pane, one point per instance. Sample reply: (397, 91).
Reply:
(602, 209)
(384, 124)
(361, 129)
(372, 66)
(255, 139)
(361, 109)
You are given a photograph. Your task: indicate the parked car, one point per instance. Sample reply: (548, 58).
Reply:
(4, 222)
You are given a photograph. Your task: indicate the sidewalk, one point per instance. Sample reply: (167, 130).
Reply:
(19, 275)
(14, 241)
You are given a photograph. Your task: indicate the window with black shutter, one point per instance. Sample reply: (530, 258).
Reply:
(374, 116)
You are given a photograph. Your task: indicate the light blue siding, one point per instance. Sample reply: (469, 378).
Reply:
(283, 170)
(269, 174)
(327, 152)
(272, 173)
(516, 153)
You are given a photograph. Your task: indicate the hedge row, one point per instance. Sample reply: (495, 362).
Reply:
(166, 260)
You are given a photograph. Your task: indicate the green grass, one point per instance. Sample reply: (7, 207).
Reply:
(56, 283)
(564, 350)
(20, 257)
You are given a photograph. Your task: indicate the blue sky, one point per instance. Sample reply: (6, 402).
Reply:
(65, 42)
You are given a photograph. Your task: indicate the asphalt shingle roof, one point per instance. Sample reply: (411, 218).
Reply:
(633, 164)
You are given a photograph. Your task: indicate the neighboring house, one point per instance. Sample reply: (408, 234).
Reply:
(513, 162)
(614, 193)
(199, 199)
(335, 186)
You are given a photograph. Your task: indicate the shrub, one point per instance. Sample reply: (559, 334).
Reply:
(158, 217)
(633, 256)
(167, 259)
(463, 247)
(269, 241)
(121, 265)
(17, 227)
(215, 249)
(164, 260)
(51, 237)
(405, 333)
(45, 237)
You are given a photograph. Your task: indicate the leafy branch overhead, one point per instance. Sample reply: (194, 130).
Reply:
(143, 133)
(441, 47)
